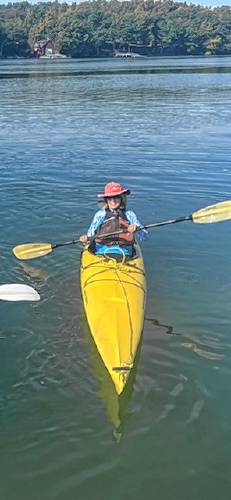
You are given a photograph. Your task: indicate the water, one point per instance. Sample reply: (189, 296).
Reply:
(161, 127)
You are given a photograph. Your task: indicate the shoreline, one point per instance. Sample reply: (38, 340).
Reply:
(137, 56)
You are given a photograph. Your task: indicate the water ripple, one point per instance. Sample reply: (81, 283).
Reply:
(161, 127)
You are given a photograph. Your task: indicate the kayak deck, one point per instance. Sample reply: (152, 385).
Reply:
(114, 300)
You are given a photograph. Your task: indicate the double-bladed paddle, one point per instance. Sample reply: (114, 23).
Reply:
(213, 213)
(15, 292)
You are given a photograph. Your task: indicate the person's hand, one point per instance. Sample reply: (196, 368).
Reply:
(132, 228)
(84, 238)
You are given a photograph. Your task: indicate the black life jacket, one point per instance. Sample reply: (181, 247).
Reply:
(114, 221)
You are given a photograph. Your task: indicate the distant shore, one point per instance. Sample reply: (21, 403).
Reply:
(106, 28)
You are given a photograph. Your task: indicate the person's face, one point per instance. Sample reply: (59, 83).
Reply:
(114, 202)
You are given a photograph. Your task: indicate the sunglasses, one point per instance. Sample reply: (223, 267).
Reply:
(115, 198)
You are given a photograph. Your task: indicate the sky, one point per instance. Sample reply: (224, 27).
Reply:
(210, 3)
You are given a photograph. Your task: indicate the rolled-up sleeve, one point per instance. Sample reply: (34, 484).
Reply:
(142, 234)
(97, 220)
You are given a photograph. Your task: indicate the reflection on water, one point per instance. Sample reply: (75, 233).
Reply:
(116, 405)
(167, 329)
(213, 356)
(127, 71)
(196, 342)
(145, 66)
(39, 275)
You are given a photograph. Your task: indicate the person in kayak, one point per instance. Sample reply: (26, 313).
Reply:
(113, 218)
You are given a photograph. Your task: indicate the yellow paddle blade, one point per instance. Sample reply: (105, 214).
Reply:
(32, 250)
(213, 213)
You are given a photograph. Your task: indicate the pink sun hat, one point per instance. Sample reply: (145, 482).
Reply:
(113, 189)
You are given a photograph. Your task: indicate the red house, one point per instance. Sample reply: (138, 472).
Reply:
(43, 48)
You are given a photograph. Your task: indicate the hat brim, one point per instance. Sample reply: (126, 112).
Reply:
(103, 195)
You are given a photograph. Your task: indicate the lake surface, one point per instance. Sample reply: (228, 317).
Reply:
(163, 128)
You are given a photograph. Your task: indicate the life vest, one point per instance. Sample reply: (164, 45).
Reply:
(113, 222)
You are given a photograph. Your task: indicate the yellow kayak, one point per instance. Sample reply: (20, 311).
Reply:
(114, 299)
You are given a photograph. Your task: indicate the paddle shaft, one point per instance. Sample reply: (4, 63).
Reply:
(166, 222)
(107, 235)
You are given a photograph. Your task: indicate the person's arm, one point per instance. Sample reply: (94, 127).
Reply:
(134, 221)
(97, 220)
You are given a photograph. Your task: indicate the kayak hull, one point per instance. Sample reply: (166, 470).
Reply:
(114, 300)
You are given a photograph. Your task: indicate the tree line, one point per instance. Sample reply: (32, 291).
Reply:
(98, 28)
